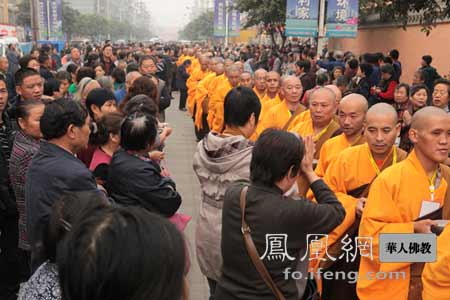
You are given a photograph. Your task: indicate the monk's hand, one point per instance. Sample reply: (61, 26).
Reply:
(423, 226)
(308, 158)
(360, 206)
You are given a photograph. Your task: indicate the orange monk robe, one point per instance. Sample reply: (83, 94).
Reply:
(211, 90)
(218, 98)
(277, 116)
(260, 95)
(200, 96)
(181, 60)
(301, 118)
(331, 149)
(394, 202)
(266, 105)
(194, 66)
(192, 82)
(436, 276)
(307, 128)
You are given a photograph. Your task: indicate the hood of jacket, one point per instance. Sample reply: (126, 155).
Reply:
(220, 154)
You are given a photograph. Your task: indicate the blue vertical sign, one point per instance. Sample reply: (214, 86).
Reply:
(42, 19)
(220, 21)
(55, 9)
(342, 18)
(219, 18)
(302, 18)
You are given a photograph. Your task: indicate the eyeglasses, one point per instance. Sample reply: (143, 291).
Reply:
(440, 92)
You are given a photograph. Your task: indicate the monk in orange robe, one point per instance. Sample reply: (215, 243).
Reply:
(350, 175)
(414, 188)
(321, 125)
(352, 114)
(193, 80)
(260, 78)
(436, 276)
(231, 80)
(246, 80)
(281, 115)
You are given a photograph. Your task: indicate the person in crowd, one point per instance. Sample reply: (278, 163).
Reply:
(360, 83)
(45, 68)
(323, 79)
(277, 159)
(396, 202)
(65, 213)
(65, 80)
(336, 72)
(162, 97)
(147, 65)
(84, 87)
(419, 97)
(34, 53)
(72, 69)
(351, 68)
(181, 78)
(13, 58)
(134, 179)
(429, 72)
(419, 77)
(65, 126)
(99, 69)
(153, 270)
(4, 71)
(106, 82)
(107, 137)
(441, 94)
(350, 175)
(197, 74)
(385, 91)
(99, 102)
(303, 72)
(259, 79)
(342, 84)
(75, 58)
(11, 266)
(394, 54)
(352, 117)
(28, 61)
(107, 59)
(246, 80)
(26, 145)
(401, 100)
(52, 89)
(219, 160)
(142, 85)
(29, 85)
(119, 78)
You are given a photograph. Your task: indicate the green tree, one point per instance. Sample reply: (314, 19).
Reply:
(200, 28)
(70, 20)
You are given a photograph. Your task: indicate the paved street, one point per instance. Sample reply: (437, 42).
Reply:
(179, 153)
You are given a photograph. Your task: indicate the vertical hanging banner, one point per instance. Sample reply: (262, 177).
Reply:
(302, 17)
(220, 19)
(55, 15)
(342, 18)
(42, 17)
(234, 21)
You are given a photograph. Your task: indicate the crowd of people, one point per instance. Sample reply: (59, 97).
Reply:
(290, 143)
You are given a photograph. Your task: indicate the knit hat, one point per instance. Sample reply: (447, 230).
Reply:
(98, 97)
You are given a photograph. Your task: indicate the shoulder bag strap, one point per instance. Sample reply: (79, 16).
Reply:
(253, 253)
(298, 111)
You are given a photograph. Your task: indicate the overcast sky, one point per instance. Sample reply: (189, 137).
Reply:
(169, 16)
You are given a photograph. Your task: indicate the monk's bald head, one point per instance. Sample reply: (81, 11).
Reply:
(233, 74)
(292, 89)
(219, 69)
(337, 92)
(356, 102)
(273, 82)
(383, 110)
(352, 114)
(260, 80)
(424, 116)
(322, 104)
(430, 134)
(382, 129)
(204, 62)
(247, 80)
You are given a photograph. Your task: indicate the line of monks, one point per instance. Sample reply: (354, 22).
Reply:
(383, 188)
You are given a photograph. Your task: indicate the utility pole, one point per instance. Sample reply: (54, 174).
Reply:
(34, 23)
(321, 36)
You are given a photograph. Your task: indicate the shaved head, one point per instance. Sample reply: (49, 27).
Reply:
(273, 82)
(422, 117)
(430, 134)
(241, 65)
(322, 104)
(204, 61)
(233, 74)
(352, 114)
(382, 129)
(337, 92)
(260, 80)
(292, 89)
(219, 69)
(385, 110)
(247, 80)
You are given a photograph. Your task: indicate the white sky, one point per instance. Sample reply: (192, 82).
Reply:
(169, 16)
